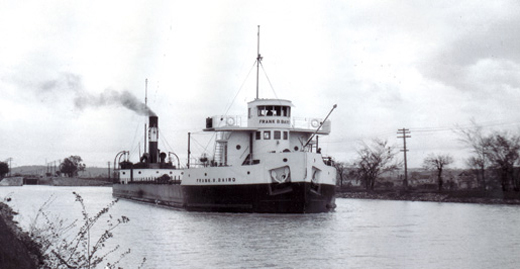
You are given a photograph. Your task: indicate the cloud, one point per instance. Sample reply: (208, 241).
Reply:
(483, 57)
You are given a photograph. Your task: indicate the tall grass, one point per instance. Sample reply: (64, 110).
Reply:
(66, 244)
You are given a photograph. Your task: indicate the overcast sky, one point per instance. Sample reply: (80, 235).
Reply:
(424, 65)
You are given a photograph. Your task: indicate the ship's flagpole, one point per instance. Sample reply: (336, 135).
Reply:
(258, 60)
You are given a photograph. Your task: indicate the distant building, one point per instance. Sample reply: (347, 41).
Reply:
(466, 180)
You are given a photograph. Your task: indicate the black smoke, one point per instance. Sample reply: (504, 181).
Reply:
(112, 98)
(72, 83)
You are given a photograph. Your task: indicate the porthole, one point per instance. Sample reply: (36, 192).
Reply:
(157, 172)
(124, 173)
(284, 160)
(248, 172)
(238, 147)
(296, 148)
(205, 174)
(171, 172)
(139, 172)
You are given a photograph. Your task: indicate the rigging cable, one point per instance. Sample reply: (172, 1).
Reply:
(240, 89)
(268, 80)
(133, 140)
(231, 104)
(165, 141)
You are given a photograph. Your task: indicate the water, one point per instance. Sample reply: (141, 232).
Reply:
(360, 234)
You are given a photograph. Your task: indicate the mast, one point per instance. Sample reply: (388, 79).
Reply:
(145, 105)
(258, 60)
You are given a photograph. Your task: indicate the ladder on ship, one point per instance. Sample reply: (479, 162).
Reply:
(220, 151)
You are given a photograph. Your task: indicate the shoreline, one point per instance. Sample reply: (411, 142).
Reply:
(56, 181)
(472, 197)
(17, 249)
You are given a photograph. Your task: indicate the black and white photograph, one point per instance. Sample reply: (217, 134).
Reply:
(259, 134)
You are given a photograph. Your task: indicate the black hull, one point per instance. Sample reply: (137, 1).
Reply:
(259, 198)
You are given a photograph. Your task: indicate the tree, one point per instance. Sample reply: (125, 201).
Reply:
(4, 169)
(340, 168)
(475, 138)
(375, 159)
(72, 165)
(502, 151)
(437, 162)
(498, 151)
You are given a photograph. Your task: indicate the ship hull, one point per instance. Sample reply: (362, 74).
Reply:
(297, 197)
(164, 194)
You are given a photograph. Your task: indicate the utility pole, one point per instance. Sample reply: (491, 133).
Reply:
(404, 133)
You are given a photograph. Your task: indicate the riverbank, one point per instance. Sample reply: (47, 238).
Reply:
(17, 250)
(55, 181)
(74, 181)
(478, 197)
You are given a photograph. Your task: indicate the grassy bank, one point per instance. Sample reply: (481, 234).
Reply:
(17, 250)
(480, 197)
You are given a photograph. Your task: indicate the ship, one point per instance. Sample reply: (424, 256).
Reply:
(264, 162)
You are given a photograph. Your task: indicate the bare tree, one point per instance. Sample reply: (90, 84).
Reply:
(340, 168)
(502, 151)
(475, 138)
(437, 162)
(373, 160)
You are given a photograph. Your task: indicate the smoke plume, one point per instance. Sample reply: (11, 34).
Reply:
(68, 83)
(111, 97)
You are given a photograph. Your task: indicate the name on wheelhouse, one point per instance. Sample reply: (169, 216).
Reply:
(209, 180)
(274, 121)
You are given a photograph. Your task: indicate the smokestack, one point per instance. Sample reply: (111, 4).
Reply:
(153, 137)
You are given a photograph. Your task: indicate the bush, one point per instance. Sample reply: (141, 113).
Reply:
(64, 247)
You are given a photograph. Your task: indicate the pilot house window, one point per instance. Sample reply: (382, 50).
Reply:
(276, 111)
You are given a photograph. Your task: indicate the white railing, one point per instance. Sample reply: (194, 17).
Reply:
(221, 121)
(310, 124)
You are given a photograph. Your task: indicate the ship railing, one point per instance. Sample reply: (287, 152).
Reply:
(220, 121)
(156, 180)
(209, 163)
(310, 124)
(329, 161)
(307, 123)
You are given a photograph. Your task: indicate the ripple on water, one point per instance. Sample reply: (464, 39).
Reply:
(360, 234)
